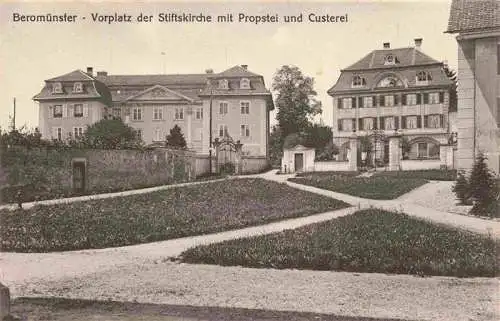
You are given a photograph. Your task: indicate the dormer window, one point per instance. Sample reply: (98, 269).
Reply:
(245, 83)
(358, 81)
(223, 84)
(78, 87)
(423, 77)
(391, 60)
(57, 88)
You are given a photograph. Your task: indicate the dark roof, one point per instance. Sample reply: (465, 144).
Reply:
(76, 75)
(149, 80)
(474, 15)
(406, 57)
(236, 71)
(91, 90)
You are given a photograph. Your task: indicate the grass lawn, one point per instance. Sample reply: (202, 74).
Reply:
(430, 174)
(161, 215)
(83, 310)
(379, 187)
(370, 240)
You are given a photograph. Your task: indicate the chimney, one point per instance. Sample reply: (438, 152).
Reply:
(90, 71)
(418, 43)
(102, 73)
(387, 45)
(244, 67)
(209, 71)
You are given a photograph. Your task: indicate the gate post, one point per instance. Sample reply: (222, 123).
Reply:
(353, 152)
(238, 166)
(394, 152)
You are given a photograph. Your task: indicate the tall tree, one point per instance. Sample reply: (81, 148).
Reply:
(318, 136)
(275, 145)
(295, 100)
(452, 75)
(176, 139)
(110, 134)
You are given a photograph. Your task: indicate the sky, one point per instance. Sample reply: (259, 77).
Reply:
(32, 52)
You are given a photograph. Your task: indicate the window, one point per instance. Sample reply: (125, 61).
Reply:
(411, 122)
(78, 87)
(358, 81)
(158, 135)
(422, 150)
(347, 103)
(138, 134)
(157, 113)
(57, 133)
(199, 113)
(58, 111)
(367, 102)
(498, 59)
(245, 83)
(57, 88)
(245, 131)
(389, 123)
(389, 101)
(245, 107)
(137, 113)
(391, 60)
(179, 113)
(434, 121)
(77, 132)
(347, 125)
(223, 108)
(223, 131)
(78, 110)
(367, 123)
(223, 84)
(434, 98)
(411, 99)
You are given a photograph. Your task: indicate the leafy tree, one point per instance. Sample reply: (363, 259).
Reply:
(452, 75)
(328, 152)
(406, 147)
(110, 134)
(176, 139)
(318, 136)
(275, 146)
(295, 100)
(293, 140)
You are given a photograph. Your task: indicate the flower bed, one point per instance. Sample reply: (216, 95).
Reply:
(156, 216)
(368, 241)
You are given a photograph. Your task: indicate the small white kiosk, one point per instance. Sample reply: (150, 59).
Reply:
(298, 159)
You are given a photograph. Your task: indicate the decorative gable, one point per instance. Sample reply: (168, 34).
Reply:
(159, 93)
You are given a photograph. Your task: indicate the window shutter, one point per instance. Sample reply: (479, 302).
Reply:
(441, 97)
(360, 124)
(403, 100)
(375, 101)
(375, 125)
(340, 124)
(360, 102)
(396, 100)
(354, 100)
(51, 112)
(339, 103)
(65, 111)
(396, 122)
(382, 101)
(353, 124)
(382, 122)
(71, 110)
(441, 121)
(426, 98)
(426, 121)
(419, 121)
(419, 99)
(403, 122)
(85, 110)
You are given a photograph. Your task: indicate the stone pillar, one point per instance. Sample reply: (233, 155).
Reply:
(394, 152)
(4, 301)
(353, 152)
(443, 155)
(189, 135)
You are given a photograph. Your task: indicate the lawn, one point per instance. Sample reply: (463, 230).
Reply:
(430, 174)
(370, 241)
(379, 187)
(172, 213)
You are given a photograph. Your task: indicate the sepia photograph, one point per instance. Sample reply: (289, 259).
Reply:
(258, 160)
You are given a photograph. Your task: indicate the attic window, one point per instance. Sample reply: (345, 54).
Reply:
(78, 87)
(57, 88)
(391, 60)
(223, 84)
(358, 81)
(245, 83)
(423, 77)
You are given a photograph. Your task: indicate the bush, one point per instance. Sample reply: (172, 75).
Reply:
(461, 188)
(227, 169)
(483, 189)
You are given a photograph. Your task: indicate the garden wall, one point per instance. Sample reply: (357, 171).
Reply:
(253, 164)
(408, 165)
(330, 166)
(43, 173)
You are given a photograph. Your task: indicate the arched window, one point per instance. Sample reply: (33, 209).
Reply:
(245, 83)
(391, 60)
(223, 84)
(390, 81)
(358, 81)
(77, 87)
(423, 76)
(57, 88)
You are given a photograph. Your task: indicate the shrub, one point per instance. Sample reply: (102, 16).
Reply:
(483, 189)
(227, 169)
(461, 188)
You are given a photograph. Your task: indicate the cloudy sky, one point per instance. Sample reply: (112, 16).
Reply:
(33, 52)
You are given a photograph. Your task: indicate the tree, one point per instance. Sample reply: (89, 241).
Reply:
(452, 75)
(110, 134)
(483, 189)
(295, 100)
(318, 136)
(176, 139)
(275, 146)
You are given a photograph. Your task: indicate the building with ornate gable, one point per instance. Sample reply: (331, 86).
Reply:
(394, 89)
(153, 104)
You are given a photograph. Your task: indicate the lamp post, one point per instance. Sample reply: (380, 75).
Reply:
(210, 129)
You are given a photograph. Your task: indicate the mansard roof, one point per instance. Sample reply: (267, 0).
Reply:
(74, 76)
(474, 15)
